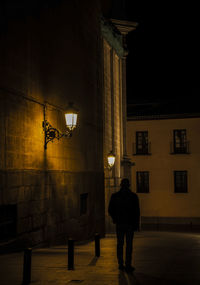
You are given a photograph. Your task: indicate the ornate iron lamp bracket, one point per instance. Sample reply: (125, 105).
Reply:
(52, 133)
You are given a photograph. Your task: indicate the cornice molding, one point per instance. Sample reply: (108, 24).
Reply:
(114, 32)
(124, 27)
(112, 36)
(163, 116)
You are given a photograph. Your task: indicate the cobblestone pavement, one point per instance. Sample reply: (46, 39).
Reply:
(163, 258)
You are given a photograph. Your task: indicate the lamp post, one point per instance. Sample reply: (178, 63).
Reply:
(51, 133)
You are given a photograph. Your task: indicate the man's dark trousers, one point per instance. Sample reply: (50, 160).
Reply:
(123, 230)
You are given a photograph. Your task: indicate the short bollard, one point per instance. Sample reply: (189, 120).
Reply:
(70, 254)
(27, 266)
(97, 245)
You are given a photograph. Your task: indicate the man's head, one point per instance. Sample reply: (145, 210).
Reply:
(125, 183)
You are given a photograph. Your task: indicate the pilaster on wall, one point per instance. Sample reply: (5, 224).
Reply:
(112, 122)
(112, 110)
(126, 161)
(108, 108)
(124, 27)
(114, 33)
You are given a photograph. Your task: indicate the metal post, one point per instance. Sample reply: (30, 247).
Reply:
(97, 245)
(27, 266)
(70, 254)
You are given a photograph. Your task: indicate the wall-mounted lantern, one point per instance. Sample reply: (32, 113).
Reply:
(111, 160)
(51, 133)
(71, 115)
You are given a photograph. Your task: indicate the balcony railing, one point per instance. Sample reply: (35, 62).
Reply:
(180, 149)
(144, 149)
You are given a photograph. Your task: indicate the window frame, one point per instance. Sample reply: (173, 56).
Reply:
(145, 183)
(181, 189)
(143, 147)
(181, 146)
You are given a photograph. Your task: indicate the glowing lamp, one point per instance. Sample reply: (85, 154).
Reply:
(111, 160)
(71, 115)
(52, 133)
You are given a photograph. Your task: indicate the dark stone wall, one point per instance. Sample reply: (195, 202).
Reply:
(52, 54)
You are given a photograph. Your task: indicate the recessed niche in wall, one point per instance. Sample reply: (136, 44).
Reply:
(83, 203)
(8, 222)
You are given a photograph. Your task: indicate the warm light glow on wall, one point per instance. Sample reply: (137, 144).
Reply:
(52, 133)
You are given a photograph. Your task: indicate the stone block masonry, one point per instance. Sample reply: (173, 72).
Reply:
(57, 61)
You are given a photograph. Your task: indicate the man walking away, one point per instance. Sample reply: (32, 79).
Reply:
(125, 212)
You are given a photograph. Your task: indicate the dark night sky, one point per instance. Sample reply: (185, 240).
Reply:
(164, 53)
(163, 62)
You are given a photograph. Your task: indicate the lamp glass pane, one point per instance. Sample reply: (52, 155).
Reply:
(111, 160)
(71, 121)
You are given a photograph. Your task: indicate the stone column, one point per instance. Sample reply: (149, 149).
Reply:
(126, 161)
(124, 27)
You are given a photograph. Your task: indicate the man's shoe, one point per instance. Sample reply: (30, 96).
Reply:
(121, 267)
(129, 268)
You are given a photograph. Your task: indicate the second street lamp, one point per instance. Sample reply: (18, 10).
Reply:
(111, 160)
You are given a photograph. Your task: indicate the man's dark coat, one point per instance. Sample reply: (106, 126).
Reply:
(124, 208)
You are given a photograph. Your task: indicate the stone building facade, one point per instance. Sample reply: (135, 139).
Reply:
(51, 53)
(165, 150)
